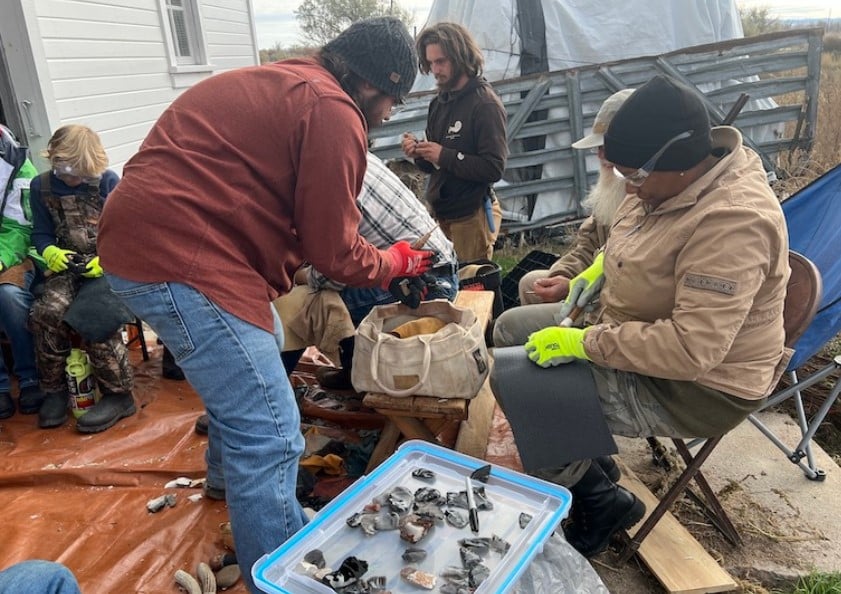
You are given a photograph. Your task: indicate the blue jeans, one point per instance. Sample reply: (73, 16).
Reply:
(14, 315)
(254, 438)
(360, 302)
(44, 577)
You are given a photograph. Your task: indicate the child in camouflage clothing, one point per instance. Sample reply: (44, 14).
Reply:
(66, 204)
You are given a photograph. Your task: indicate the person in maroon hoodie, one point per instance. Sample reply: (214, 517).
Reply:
(246, 175)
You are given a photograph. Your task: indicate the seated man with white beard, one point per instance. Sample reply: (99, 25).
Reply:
(542, 290)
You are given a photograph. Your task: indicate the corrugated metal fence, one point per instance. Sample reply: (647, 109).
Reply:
(545, 179)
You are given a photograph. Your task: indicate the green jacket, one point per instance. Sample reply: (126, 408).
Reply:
(16, 221)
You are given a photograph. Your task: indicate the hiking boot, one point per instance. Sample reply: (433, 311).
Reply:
(30, 400)
(215, 493)
(333, 378)
(202, 424)
(53, 411)
(7, 405)
(105, 413)
(610, 468)
(600, 509)
(169, 368)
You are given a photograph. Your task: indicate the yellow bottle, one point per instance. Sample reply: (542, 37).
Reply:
(80, 382)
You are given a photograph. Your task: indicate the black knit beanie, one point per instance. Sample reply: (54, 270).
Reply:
(654, 114)
(381, 51)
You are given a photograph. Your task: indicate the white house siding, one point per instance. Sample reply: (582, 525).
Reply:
(109, 67)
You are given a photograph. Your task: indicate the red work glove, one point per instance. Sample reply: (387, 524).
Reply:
(407, 262)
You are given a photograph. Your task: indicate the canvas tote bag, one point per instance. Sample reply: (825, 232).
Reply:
(452, 362)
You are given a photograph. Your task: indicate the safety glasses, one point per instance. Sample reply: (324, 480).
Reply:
(63, 170)
(638, 177)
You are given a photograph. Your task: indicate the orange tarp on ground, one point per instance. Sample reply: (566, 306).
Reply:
(81, 499)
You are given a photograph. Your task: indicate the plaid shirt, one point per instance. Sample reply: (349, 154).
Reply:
(391, 213)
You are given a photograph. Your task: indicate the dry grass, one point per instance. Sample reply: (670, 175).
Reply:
(801, 167)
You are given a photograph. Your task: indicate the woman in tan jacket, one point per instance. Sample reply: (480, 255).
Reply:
(689, 340)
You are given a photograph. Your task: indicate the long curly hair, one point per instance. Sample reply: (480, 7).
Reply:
(457, 44)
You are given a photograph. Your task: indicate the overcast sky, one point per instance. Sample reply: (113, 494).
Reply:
(276, 22)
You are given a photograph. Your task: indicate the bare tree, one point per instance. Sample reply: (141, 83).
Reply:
(322, 20)
(273, 54)
(758, 20)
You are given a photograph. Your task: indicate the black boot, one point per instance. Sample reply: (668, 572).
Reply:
(169, 368)
(7, 405)
(600, 508)
(610, 468)
(53, 412)
(215, 493)
(30, 400)
(290, 359)
(332, 378)
(202, 424)
(106, 412)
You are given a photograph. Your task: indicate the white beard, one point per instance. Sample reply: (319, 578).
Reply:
(604, 198)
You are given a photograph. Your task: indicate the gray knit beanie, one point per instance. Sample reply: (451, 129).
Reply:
(380, 51)
(654, 114)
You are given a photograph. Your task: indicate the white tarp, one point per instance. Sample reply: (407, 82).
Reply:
(584, 32)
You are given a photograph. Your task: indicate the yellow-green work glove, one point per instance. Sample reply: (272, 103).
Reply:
(93, 269)
(555, 346)
(584, 287)
(56, 257)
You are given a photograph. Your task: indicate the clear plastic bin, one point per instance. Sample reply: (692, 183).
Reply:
(511, 493)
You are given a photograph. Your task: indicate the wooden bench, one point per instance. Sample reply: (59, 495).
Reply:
(678, 561)
(424, 417)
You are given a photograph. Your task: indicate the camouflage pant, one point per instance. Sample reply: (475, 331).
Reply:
(109, 359)
(633, 407)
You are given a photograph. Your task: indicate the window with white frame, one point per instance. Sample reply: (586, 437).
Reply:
(185, 37)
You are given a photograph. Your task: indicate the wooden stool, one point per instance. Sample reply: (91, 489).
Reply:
(425, 417)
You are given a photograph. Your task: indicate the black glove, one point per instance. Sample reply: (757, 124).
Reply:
(77, 263)
(409, 290)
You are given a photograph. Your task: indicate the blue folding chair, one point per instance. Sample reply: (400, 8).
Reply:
(813, 218)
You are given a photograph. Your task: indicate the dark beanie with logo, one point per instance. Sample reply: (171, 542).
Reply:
(380, 51)
(654, 114)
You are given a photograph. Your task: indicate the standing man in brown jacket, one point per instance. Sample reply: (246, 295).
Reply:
(465, 147)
